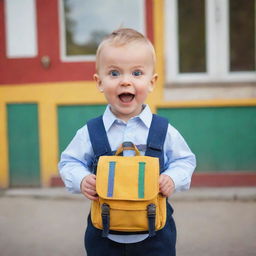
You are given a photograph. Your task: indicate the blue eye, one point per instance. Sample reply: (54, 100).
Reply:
(114, 73)
(137, 73)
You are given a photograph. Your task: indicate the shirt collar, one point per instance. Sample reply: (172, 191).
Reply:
(146, 116)
(109, 118)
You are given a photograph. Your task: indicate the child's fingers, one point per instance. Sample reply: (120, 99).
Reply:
(164, 180)
(166, 191)
(91, 180)
(89, 193)
(88, 187)
(166, 185)
(91, 196)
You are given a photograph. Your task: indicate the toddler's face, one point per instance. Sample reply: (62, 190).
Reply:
(126, 76)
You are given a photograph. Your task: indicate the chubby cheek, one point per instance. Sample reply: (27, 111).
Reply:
(142, 92)
(110, 94)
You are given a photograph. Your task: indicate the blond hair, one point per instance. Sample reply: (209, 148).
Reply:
(121, 37)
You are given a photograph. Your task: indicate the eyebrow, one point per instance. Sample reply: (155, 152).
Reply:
(134, 67)
(139, 66)
(113, 66)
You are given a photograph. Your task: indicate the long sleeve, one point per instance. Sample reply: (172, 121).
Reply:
(180, 162)
(76, 160)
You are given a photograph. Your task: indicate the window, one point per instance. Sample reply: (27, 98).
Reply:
(85, 22)
(242, 35)
(192, 48)
(210, 40)
(21, 33)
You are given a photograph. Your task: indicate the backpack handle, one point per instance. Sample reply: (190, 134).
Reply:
(127, 145)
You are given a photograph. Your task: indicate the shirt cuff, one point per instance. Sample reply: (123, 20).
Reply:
(73, 180)
(77, 181)
(181, 181)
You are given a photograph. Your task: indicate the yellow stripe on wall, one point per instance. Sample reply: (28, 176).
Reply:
(48, 141)
(4, 167)
(159, 45)
(60, 93)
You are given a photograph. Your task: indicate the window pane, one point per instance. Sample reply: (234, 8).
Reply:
(242, 35)
(192, 49)
(88, 21)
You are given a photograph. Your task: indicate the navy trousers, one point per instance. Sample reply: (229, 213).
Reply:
(162, 244)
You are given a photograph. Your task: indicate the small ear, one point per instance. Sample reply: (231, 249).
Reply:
(153, 82)
(98, 81)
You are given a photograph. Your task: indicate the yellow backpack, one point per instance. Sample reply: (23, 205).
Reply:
(128, 190)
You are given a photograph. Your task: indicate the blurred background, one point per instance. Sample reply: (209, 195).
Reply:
(207, 88)
(206, 61)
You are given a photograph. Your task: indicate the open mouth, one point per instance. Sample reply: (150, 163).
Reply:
(126, 97)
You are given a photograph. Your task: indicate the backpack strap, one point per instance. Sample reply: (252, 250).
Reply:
(155, 145)
(99, 139)
(156, 139)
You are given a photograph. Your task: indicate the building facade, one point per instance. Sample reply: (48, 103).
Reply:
(206, 59)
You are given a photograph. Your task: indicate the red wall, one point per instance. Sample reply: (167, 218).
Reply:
(30, 70)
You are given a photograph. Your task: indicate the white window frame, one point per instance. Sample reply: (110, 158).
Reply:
(217, 46)
(85, 58)
(21, 30)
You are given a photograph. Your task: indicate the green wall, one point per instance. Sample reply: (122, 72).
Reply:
(71, 118)
(23, 144)
(223, 138)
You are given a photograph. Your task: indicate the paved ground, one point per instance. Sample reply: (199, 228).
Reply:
(51, 222)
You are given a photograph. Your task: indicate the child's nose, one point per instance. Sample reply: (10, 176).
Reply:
(126, 81)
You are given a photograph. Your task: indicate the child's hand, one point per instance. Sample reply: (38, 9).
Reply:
(88, 187)
(166, 185)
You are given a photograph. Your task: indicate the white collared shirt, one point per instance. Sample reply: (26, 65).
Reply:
(76, 159)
